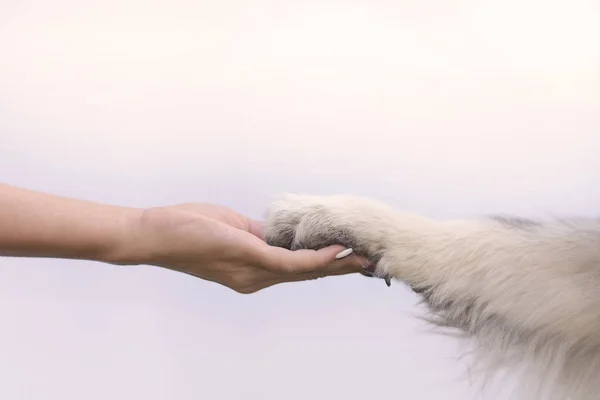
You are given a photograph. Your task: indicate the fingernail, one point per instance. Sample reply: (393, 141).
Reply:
(344, 253)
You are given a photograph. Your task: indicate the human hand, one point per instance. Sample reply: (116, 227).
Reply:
(218, 244)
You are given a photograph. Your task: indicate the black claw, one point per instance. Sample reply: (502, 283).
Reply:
(388, 281)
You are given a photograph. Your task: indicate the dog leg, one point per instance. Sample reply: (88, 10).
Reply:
(524, 290)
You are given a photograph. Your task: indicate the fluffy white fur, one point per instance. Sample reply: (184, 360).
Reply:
(526, 293)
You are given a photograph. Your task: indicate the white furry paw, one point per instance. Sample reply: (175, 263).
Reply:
(313, 222)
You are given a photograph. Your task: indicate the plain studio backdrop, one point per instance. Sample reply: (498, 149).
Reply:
(444, 108)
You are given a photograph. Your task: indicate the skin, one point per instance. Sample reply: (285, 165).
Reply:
(207, 241)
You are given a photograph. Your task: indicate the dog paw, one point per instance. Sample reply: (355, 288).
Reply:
(312, 222)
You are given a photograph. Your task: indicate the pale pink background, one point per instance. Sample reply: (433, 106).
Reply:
(446, 108)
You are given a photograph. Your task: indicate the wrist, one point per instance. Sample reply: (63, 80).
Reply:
(130, 244)
(144, 236)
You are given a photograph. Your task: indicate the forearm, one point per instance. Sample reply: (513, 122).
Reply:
(34, 224)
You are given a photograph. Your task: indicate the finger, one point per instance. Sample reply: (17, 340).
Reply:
(312, 275)
(322, 261)
(289, 278)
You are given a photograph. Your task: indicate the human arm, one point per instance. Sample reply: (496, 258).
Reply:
(34, 224)
(207, 241)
